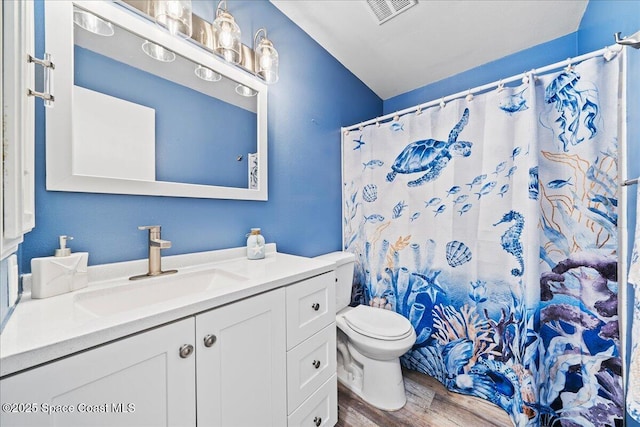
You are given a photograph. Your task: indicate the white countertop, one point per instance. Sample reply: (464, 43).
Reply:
(42, 330)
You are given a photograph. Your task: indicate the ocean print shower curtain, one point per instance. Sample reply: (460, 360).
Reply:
(490, 223)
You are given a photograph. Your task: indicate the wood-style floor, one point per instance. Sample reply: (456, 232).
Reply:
(429, 404)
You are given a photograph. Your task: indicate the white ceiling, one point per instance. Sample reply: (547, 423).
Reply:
(430, 41)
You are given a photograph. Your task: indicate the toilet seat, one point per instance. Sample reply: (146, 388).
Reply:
(378, 323)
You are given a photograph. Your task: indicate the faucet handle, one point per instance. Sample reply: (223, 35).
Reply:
(149, 227)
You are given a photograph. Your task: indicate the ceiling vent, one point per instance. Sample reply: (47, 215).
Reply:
(384, 10)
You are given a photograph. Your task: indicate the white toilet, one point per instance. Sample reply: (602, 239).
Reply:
(370, 343)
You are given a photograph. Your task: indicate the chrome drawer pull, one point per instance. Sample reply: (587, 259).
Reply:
(315, 306)
(317, 421)
(316, 364)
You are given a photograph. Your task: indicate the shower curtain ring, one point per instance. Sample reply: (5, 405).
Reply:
(469, 96)
(500, 87)
(610, 53)
(442, 103)
(569, 66)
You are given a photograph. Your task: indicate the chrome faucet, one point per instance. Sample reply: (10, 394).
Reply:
(155, 260)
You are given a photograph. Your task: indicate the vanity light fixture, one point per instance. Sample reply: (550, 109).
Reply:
(158, 52)
(226, 35)
(266, 57)
(207, 74)
(175, 16)
(245, 91)
(92, 23)
(222, 37)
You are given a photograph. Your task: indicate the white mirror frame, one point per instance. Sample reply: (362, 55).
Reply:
(59, 29)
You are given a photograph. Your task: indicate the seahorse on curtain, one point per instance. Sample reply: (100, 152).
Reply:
(511, 239)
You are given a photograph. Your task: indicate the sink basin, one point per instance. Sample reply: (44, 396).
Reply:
(134, 295)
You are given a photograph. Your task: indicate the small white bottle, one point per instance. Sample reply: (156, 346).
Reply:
(255, 244)
(58, 274)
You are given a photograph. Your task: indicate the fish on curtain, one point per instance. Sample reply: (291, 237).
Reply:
(489, 224)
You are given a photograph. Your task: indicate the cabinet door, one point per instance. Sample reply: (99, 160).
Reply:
(241, 363)
(141, 380)
(17, 111)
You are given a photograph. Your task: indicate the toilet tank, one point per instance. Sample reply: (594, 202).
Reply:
(344, 276)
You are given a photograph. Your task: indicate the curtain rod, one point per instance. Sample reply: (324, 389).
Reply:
(631, 181)
(609, 50)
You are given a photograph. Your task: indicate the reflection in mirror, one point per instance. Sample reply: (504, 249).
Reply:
(159, 116)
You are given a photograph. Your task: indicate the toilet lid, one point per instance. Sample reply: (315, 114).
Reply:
(378, 323)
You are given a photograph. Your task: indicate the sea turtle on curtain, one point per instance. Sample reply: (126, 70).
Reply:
(431, 156)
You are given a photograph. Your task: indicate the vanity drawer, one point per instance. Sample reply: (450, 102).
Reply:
(311, 305)
(321, 409)
(310, 364)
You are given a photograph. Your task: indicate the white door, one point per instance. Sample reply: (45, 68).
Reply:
(137, 381)
(241, 363)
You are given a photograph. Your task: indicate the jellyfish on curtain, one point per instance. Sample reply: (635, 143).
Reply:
(578, 108)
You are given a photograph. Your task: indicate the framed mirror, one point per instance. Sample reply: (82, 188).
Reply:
(139, 111)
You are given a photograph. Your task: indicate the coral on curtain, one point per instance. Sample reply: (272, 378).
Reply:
(633, 384)
(490, 223)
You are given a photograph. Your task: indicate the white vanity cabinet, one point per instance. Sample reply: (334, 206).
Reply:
(264, 360)
(140, 380)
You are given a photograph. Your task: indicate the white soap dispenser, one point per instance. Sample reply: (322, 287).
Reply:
(63, 272)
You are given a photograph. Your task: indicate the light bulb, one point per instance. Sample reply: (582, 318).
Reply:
(174, 9)
(266, 61)
(226, 39)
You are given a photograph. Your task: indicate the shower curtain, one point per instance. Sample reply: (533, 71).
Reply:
(490, 223)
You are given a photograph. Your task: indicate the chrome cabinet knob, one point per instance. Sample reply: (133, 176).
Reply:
(317, 421)
(186, 350)
(209, 340)
(316, 364)
(315, 306)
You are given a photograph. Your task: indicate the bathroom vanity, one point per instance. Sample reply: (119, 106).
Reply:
(225, 341)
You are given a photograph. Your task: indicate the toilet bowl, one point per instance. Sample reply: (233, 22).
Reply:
(370, 343)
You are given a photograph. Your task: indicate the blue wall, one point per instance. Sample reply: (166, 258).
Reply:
(601, 20)
(315, 96)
